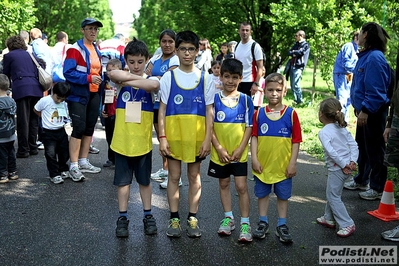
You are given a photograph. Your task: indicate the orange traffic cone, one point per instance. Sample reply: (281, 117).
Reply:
(386, 211)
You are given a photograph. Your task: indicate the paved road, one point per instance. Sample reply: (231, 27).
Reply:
(74, 223)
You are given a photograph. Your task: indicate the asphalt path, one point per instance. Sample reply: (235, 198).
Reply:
(74, 223)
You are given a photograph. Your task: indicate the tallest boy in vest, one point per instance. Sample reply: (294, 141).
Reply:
(82, 70)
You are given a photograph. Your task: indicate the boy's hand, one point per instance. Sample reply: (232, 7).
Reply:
(224, 156)
(236, 156)
(290, 171)
(205, 149)
(104, 114)
(256, 166)
(353, 166)
(164, 148)
(347, 170)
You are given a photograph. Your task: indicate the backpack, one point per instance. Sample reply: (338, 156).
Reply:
(253, 52)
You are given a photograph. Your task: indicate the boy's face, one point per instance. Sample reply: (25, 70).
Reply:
(230, 81)
(112, 67)
(274, 93)
(186, 53)
(136, 64)
(57, 99)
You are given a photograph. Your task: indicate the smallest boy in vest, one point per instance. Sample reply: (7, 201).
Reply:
(54, 113)
(275, 141)
(132, 137)
(232, 129)
(8, 108)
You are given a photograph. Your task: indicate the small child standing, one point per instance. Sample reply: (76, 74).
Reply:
(259, 96)
(232, 129)
(54, 113)
(215, 75)
(8, 108)
(110, 109)
(275, 141)
(341, 153)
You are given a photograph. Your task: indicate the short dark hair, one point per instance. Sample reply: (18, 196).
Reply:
(232, 66)
(60, 35)
(16, 42)
(276, 77)
(188, 37)
(4, 82)
(245, 23)
(168, 32)
(377, 37)
(115, 62)
(136, 47)
(62, 89)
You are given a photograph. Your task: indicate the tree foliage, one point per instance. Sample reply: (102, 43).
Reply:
(328, 23)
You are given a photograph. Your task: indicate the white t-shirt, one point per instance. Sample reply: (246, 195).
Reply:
(187, 80)
(244, 54)
(54, 116)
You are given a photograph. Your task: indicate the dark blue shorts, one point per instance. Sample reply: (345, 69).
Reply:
(125, 167)
(282, 189)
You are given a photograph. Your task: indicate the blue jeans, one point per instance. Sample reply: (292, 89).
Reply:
(342, 91)
(295, 78)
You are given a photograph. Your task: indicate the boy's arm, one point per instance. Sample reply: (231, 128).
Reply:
(291, 169)
(163, 142)
(37, 112)
(129, 79)
(224, 156)
(256, 166)
(237, 153)
(205, 149)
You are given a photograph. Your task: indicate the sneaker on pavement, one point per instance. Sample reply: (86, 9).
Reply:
(93, 150)
(370, 194)
(352, 185)
(226, 226)
(164, 184)
(108, 163)
(89, 168)
(150, 225)
(40, 147)
(283, 234)
(161, 174)
(245, 233)
(122, 227)
(174, 229)
(346, 231)
(261, 231)
(57, 179)
(76, 174)
(4, 179)
(65, 175)
(13, 176)
(392, 235)
(192, 227)
(327, 223)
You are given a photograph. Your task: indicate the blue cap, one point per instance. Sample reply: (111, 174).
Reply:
(91, 21)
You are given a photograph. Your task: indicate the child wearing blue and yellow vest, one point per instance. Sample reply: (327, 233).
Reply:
(132, 138)
(185, 128)
(232, 129)
(275, 141)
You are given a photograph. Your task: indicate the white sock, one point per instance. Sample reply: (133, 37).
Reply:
(82, 161)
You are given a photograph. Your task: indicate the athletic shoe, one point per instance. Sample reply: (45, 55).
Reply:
(346, 231)
(4, 179)
(161, 174)
(108, 163)
(164, 184)
(13, 176)
(226, 226)
(122, 227)
(251, 178)
(34, 152)
(370, 194)
(76, 174)
(57, 179)
(327, 223)
(65, 175)
(192, 227)
(93, 150)
(150, 225)
(283, 234)
(40, 147)
(352, 185)
(174, 229)
(261, 231)
(392, 235)
(245, 233)
(89, 168)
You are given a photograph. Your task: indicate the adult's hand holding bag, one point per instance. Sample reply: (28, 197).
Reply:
(45, 78)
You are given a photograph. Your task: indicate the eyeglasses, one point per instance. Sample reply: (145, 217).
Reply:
(191, 50)
(95, 29)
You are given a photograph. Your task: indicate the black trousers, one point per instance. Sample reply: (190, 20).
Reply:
(109, 124)
(56, 150)
(27, 125)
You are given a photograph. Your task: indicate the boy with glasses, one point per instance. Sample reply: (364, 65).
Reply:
(185, 127)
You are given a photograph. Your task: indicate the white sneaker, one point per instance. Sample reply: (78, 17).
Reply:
(75, 174)
(40, 147)
(57, 179)
(161, 174)
(65, 175)
(164, 184)
(89, 168)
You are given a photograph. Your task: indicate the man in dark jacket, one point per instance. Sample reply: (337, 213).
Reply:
(299, 58)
